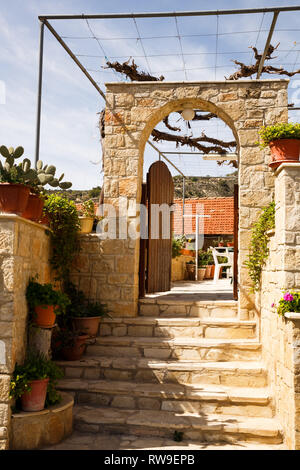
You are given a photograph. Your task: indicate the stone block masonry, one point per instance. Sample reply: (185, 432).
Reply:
(105, 271)
(134, 109)
(24, 252)
(280, 337)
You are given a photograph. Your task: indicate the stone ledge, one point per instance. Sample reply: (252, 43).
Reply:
(292, 315)
(17, 218)
(287, 165)
(47, 427)
(201, 82)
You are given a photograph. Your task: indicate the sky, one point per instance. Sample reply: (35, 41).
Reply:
(70, 104)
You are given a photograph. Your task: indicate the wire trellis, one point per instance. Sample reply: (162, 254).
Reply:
(185, 50)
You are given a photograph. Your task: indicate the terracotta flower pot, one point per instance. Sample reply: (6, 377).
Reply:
(45, 316)
(35, 399)
(212, 272)
(88, 325)
(284, 150)
(34, 208)
(13, 198)
(191, 270)
(230, 243)
(208, 271)
(86, 224)
(221, 244)
(74, 353)
(201, 273)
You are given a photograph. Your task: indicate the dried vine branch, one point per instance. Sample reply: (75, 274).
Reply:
(193, 142)
(131, 71)
(249, 70)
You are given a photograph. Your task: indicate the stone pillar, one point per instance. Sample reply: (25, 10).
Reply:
(280, 337)
(24, 252)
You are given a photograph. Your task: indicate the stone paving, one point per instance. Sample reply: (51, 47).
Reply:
(89, 441)
(196, 291)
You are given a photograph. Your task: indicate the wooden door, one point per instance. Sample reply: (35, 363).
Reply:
(160, 190)
(236, 244)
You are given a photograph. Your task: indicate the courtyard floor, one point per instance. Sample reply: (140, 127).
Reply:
(197, 291)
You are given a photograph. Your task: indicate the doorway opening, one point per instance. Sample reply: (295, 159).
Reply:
(198, 261)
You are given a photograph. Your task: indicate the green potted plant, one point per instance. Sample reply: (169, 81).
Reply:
(202, 264)
(14, 190)
(290, 302)
(43, 175)
(283, 140)
(191, 269)
(209, 273)
(178, 245)
(33, 384)
(45, 303)
(87, 216)
(84, 314)
(68, 344)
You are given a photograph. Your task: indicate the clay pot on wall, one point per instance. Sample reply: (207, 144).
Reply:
(35, 399)
(44, 316)
(34, 208)
(86, 224)
(13, 198)
(284, 151)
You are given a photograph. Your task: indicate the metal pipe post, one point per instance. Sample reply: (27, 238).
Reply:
(39, 97)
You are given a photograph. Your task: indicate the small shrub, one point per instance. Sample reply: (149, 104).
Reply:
(278, 131)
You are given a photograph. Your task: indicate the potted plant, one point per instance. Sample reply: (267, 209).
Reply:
(283, 140)
(221, 242)
(209, 273)
(202, 264)
(290, 302)
(45, 303)
(33, 383)
(230, 244)
(84, 314)
(14, 191)
(87, 216)
(191, 269)
(41, 176)
(69, 344)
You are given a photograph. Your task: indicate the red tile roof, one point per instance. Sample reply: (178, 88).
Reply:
(220, 211)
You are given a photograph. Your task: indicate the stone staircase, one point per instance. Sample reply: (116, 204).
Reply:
(192, 368)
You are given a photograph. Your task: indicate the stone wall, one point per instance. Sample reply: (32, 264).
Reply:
(280, 337)
(106, 278)
(24, 252)
(134, 109)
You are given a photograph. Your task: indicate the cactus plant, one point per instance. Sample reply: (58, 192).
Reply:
(22, 173)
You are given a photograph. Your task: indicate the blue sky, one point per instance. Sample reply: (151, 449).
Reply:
(69, 132)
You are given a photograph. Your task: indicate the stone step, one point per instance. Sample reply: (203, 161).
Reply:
(171, 397)
(211, 427)
(169, 307)
(234, 374)
(182, 348)
(177, 327)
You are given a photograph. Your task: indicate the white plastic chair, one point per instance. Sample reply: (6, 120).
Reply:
(224, 252)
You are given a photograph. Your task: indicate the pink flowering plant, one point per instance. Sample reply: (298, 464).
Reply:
(290, 302)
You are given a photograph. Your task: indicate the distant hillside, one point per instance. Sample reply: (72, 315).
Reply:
(205, 186)
(195, 187)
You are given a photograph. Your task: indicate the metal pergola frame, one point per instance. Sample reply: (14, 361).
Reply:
(44, 21)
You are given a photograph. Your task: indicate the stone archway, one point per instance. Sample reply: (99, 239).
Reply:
(133, 109)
